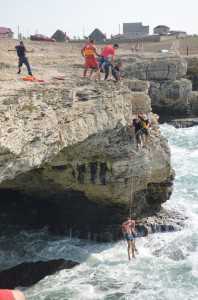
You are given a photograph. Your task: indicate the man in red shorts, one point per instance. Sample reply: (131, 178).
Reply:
(89, 53)
(11, 295)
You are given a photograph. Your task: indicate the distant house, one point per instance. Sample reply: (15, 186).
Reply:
(135, 30)
(60, 36)
(6, 32)
(161, 30)
(178, 33)
(97, 36)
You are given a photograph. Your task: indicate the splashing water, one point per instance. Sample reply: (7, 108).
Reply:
(166, 268)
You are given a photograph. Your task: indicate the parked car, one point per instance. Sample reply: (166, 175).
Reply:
(41, 38)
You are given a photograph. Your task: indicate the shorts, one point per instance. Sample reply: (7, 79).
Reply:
(129, 237)
(91, 62)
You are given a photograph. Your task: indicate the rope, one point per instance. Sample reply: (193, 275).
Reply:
(131, 198)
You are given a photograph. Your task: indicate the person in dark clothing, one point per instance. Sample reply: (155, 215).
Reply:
(21, 53)
(138, 132)
(145, 125)
(116, 71)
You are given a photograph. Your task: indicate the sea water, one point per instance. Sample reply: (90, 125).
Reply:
(165, 269)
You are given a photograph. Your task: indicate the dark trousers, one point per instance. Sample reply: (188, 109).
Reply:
(24, 60)
(107, 67)
(115, 74)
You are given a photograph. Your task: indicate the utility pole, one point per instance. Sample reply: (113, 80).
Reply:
(18, 32)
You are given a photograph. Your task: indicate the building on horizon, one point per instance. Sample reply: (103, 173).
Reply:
(97, 36)
(161, 30)
(135, 30)
(60, 36)
(6, 32)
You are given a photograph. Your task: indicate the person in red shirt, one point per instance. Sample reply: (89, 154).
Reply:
(129, 233)
(11, 295)
(89, 53)
(107, 58)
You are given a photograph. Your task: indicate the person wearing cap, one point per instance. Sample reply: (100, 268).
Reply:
(129, 233)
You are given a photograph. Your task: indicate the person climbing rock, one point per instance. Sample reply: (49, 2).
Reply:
(21, 53)
(11, 295)
(129, 233)
(138, 132)
(145, 125)
(107, 59)
(89, 53)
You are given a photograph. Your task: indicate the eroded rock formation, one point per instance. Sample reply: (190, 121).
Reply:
(173, 83)
(68, 153)
(29, 273)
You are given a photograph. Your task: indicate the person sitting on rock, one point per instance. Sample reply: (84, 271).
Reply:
(129, 233)
(11, 295)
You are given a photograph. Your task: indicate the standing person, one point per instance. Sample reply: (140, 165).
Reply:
(21, 52)
(128, 230)
(11, 295)
(89, 53)
(107, 58)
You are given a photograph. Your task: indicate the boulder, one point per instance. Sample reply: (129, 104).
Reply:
(29, 273)
(171, 97)
(155, 69)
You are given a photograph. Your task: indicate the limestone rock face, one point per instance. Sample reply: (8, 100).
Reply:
(194, 103)
(171, 96)
(155, 69)
(172, 80)
(71, 150)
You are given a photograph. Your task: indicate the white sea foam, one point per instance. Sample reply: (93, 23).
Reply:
(167, 265)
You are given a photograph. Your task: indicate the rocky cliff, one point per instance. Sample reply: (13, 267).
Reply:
(172, 83)
(72, 149)
(68, 157)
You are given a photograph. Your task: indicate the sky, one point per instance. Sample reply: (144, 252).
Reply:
(80, 17)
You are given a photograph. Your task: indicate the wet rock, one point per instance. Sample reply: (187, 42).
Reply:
(27, 274)
(184, 123)
(171, 97)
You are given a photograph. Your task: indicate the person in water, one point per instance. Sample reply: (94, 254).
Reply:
(21, 53)
(11, 295)
(129, 233)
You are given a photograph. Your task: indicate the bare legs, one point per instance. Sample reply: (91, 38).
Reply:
(131, 249)
(91, 73)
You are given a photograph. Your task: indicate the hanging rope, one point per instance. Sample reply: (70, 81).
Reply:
(131, 197)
